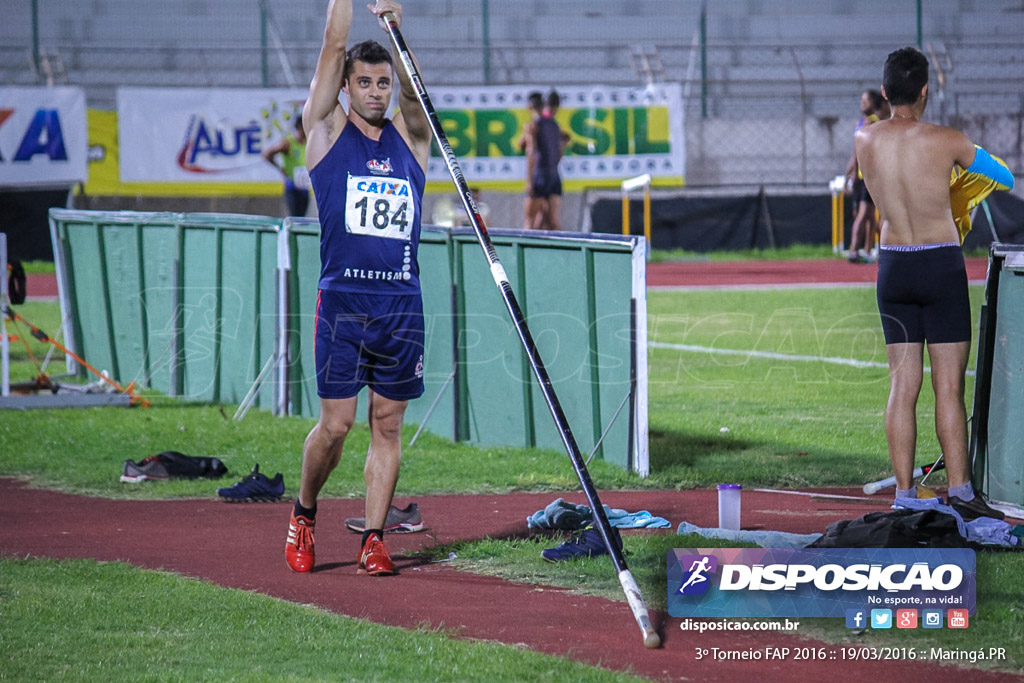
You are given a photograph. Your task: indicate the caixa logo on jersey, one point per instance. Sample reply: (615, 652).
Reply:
(816, 582)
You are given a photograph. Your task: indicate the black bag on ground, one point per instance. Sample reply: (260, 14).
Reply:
(179, 465)
(902, 528)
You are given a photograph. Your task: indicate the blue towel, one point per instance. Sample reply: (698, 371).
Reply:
(571, 517)
(561, 515)
(765, 539)
(621, 519)
(983, 530)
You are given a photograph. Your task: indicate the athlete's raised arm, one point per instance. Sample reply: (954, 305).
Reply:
(322, 113)
(410, 120)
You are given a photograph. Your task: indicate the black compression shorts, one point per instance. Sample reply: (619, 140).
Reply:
(922, 294)
(545, 183)
(860, 193)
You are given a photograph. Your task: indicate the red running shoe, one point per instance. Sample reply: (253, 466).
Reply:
(298, 550)
(374, 560)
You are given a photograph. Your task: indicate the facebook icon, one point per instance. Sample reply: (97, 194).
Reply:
(855, 618)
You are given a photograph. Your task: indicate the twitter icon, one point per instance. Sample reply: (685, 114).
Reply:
(881, 618)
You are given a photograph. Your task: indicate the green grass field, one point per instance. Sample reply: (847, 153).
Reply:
(795, 423)
(88, 621)
(790, 423)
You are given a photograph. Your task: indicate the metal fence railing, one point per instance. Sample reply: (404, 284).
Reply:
(712, 69)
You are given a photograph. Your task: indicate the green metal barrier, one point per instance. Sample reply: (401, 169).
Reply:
(201, 305)
(575, 293)
(183, 303)
(997, 436)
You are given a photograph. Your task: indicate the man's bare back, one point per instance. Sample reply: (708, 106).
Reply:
(906, 166)
(922, 288)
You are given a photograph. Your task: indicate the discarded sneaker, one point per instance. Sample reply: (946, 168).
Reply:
(148, 469)
(254, 488)
(974, 508)
(399, 521)
(374, 558)
(172, 465)
(587, 544)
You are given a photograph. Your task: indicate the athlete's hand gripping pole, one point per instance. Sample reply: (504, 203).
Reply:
(629, 586)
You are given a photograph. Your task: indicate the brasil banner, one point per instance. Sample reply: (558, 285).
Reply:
(614, 133)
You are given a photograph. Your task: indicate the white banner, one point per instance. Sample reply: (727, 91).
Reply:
(43, 137)
(202, 135)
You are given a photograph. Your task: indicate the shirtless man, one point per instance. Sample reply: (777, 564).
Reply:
(922, 281)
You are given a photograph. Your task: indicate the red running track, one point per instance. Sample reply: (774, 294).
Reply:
(241, 546)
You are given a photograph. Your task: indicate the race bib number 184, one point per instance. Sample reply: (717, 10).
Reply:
(382, 207)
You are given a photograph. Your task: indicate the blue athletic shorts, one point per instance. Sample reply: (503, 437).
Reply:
(922, 294)
(369, 340)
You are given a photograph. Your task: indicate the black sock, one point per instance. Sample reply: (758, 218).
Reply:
(308, 513)
(379, 532)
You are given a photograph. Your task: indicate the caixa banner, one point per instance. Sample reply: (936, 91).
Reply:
(817, 582)
(43, 138)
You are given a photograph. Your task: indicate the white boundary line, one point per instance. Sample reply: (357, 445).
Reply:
(781, 286)
(761, 287)
(852, 362)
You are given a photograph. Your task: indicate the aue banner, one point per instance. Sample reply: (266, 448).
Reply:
(817, 582)
(202, 135)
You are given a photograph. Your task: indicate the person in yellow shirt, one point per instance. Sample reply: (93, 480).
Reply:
(969, 187)
(292, 152)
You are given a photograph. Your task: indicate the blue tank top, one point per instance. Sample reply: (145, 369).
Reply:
(369, 195)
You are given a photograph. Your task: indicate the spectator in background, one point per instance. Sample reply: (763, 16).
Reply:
(551, 144)
(864, 226)
(873, 237)
(533, 206)
(292, 150)
(442, 214)
(544, 143)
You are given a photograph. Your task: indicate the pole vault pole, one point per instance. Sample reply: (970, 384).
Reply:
(629, 586)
